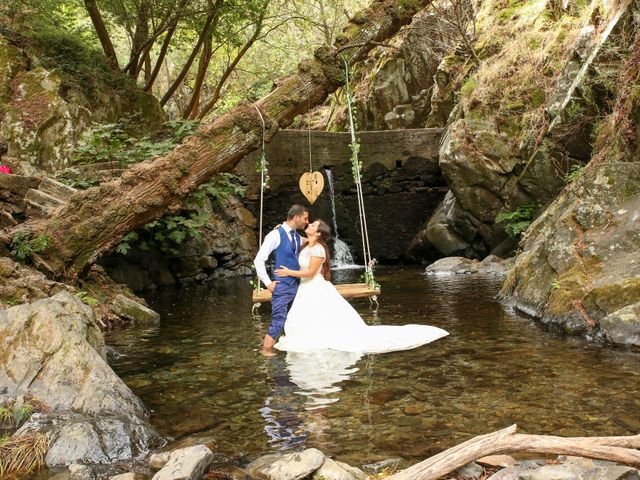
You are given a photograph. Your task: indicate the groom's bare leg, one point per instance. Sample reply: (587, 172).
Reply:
(267, 346)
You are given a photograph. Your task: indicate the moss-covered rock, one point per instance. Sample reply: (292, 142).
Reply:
(45, 112)
(11, 62)
(41, 129)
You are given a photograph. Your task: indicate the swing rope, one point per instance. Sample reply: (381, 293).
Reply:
(368, 261)
(304, 88)
(262, 183)
(366, 248)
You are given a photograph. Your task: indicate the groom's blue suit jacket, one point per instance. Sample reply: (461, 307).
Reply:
(287, 255)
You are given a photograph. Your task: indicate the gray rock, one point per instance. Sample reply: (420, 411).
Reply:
(293, 466)
(514, 472)
(186, 464)
(470, 471)
(159, 460)
(56, 352)
(622, 326)
(80, 472)
(574, 471)
(78, 438)
(452, 265)
(377, 467)
(332, 470)
(129, 476)
(134, 311)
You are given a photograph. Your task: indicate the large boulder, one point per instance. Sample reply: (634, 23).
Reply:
(398, 95)
(53, 350)
(45, 111)
(580, 263)
(41, 129)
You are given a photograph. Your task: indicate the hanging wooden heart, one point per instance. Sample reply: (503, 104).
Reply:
(311, 185)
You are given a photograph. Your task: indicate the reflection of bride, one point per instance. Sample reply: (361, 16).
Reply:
(301, 388)
(318, 372)
(321, 319)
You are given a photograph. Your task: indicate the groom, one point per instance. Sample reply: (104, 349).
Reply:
(285, 241)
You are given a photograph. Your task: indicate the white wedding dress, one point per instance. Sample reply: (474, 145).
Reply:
(320, 318)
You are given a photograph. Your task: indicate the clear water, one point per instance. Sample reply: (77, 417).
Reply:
(200, 373)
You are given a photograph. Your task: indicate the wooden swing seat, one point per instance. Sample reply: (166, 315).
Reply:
(347, 290)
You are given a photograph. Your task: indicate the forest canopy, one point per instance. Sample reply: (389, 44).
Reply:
(199, 57)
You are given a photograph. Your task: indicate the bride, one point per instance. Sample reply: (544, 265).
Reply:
(320, 318)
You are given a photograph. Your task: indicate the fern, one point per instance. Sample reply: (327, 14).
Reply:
(517, 221)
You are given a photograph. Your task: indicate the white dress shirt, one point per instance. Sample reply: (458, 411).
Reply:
(270, 243)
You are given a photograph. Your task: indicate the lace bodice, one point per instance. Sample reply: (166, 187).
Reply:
(305, 258)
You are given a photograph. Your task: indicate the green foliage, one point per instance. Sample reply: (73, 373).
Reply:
(116, 142)
(217, 191)
(24, 245)
(262, 165)
(88, 299)
(468, 87)
(517, 221)
(80, 62)
(76, 178)
(170, 231)
(555, 285)
(369, 278)
(13, 415)
(575, 172)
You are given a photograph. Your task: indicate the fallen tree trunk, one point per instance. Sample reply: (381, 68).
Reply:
(615, 449)
(95, 220)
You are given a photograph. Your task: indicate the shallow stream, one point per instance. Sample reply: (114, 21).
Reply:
(200, 373)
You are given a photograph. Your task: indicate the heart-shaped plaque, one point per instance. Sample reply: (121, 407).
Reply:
(311, 184)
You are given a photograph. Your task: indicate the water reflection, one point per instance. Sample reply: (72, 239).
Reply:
(199, 372)
(303, 384)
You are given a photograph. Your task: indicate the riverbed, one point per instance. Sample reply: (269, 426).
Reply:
(200, 373)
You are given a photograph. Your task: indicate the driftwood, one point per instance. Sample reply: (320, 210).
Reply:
(615, 449)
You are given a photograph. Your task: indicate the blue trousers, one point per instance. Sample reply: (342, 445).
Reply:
(281, 301)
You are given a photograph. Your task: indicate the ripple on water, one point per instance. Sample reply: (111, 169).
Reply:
(199, 372)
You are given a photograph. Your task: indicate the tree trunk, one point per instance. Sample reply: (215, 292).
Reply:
(95, 220)
(102, 33)
(211, 18)
(164, 48)
(231, 67)
(140, 40)
(203, 66)
(616, 449)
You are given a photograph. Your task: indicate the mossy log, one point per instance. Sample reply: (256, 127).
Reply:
(95, 220)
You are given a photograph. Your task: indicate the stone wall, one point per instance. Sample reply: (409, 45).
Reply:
(402, 183)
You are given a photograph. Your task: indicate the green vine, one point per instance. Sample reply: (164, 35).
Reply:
(263, 166)
(368, 276)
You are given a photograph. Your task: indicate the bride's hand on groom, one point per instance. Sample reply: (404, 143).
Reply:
(272, 285)
(282, 271)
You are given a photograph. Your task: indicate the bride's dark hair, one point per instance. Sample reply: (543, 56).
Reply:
(325, 235)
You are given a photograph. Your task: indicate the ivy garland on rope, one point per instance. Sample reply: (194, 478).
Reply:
(368, 276)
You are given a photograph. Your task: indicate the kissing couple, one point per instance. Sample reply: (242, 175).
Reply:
(307, 305)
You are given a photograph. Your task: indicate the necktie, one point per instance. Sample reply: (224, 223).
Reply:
(294, 243)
